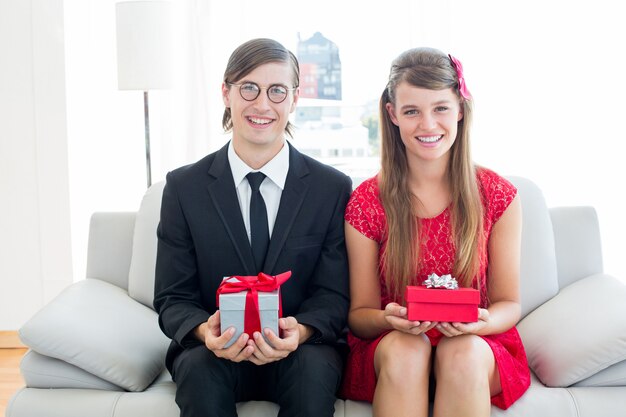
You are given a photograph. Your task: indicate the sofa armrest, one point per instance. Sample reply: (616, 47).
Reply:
(110, 247)
(97, 327)
(577, 243)
(578, 333)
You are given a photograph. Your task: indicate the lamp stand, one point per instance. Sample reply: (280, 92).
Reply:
(147, 126)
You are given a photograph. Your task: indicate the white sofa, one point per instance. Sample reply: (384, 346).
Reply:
(96, 350)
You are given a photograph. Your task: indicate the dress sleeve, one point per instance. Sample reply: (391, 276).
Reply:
(364, 210)
(498, 192)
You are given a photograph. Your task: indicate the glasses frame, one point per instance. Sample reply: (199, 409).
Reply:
(267, 90)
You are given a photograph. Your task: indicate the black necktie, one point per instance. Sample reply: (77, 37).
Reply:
(259, 230)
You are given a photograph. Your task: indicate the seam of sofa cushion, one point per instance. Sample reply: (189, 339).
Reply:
(12, 401)
(114, 407)
(573, 397)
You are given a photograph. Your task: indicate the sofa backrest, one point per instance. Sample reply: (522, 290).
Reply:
(538, 270)
(142, 265)
(539, 281)
(109, 251)
(577, 243)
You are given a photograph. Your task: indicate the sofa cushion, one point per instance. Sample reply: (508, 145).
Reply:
(541, 401)
(613, 376)
(97, 327)
(41, 371)
(578, 333)
(143, 262)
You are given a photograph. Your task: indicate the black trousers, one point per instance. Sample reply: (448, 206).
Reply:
(303, 384)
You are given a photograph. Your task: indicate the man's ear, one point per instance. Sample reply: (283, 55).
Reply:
(392, 113)
(225, 95)
(296, 95)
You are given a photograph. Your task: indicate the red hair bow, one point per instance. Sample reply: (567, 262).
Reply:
(459, 72)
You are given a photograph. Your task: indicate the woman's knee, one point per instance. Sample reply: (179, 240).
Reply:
(464, 358)
(400, 356)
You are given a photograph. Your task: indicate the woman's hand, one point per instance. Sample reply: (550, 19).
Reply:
(396, 316)
(457, 329)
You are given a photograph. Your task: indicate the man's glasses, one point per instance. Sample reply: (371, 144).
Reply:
(249, 91)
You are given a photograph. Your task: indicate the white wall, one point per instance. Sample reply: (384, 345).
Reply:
(105, 126)
(35, 248)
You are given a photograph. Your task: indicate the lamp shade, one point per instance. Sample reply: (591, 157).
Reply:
(144, 39)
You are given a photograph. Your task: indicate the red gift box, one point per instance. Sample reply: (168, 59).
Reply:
(443, 305)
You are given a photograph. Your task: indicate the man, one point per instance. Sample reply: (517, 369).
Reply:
(209, 229)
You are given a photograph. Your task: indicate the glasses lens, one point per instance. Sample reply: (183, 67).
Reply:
(277, 93)
(249, 91)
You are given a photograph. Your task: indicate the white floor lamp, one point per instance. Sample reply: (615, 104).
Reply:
(144, 39)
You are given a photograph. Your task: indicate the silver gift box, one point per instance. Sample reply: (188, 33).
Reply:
(232, 309)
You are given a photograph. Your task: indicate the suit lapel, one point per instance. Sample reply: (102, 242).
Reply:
(224, 197)
(291, 200)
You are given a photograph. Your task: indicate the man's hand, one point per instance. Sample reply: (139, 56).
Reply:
(209, 333)
(280, 348)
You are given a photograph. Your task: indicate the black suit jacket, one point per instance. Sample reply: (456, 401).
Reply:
(202, 238)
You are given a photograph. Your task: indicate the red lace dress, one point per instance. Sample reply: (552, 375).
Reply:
(365, 213)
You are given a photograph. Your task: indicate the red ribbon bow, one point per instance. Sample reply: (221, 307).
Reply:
(253, 284)
(459, 72)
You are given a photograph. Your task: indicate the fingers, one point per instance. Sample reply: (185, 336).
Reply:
(264, 353)
(288, 323)
(236, 352)
(457, 329)
(275, 347)
(400, 323)
(395, 309)
(213, 323)
(245, 353)
(448, 329)
(214, 339)
(483, 314)
(421, 327)
(216, 342)
(407, 326)
(396, 316)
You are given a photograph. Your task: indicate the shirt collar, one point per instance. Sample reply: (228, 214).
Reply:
(276, 169)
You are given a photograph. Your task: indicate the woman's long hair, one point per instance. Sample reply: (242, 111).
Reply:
(431, 69)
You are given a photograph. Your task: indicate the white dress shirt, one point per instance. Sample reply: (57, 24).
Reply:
(271, 188)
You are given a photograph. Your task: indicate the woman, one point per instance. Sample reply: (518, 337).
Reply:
(431, 210)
